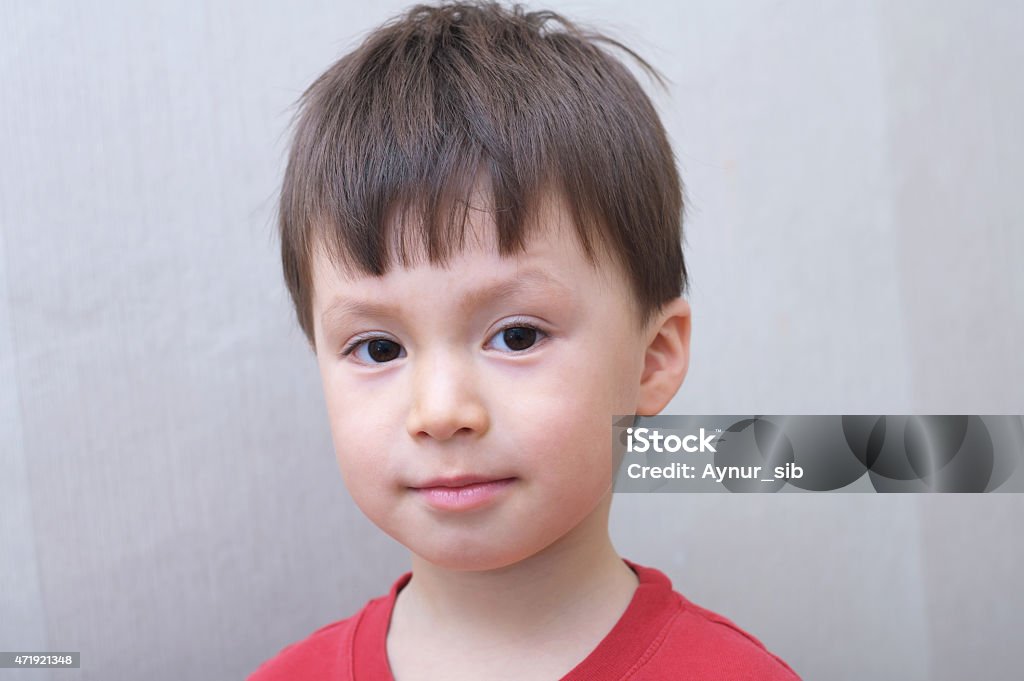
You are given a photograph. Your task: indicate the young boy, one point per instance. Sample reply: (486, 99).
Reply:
(480, 227)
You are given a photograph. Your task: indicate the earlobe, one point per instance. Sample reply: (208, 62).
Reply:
(666, 359)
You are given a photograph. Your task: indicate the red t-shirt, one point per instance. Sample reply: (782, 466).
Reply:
(661, 636)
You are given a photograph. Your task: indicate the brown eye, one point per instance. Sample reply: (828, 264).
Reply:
(375, 350)
(517, 337)
(383, 350)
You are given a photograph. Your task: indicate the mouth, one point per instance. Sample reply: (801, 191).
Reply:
(458, 481)
(462, 493)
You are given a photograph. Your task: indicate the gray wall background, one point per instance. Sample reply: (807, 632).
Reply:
(170, 502)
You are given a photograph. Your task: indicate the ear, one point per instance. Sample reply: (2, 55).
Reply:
(666, 359)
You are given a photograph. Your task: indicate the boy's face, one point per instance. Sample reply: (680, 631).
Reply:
(432, 374)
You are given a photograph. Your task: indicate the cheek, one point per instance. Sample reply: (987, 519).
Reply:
(567, 420)
(356, 436)
(369, 484)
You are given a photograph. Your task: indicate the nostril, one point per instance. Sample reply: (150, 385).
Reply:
(445, 424)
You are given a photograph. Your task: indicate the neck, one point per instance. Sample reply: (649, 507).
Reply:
(578, 579)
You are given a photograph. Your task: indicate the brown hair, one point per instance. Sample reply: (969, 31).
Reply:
(441, 96)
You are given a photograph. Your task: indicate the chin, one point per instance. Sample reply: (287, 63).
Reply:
(470, 556)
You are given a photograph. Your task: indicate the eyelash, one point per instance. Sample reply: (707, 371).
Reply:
(514, 324)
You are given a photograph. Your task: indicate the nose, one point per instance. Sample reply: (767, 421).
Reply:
(446, 399)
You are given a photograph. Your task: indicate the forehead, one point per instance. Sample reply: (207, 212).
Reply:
(553, 256)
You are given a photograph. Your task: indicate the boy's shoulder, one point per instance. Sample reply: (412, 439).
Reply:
(667, 636)
(328, 652)
(702, 641)
(661, 635)
(322, 654)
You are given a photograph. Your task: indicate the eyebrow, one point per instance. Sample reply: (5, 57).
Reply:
(527, 280)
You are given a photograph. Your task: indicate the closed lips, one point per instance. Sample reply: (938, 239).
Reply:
(460, 481)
